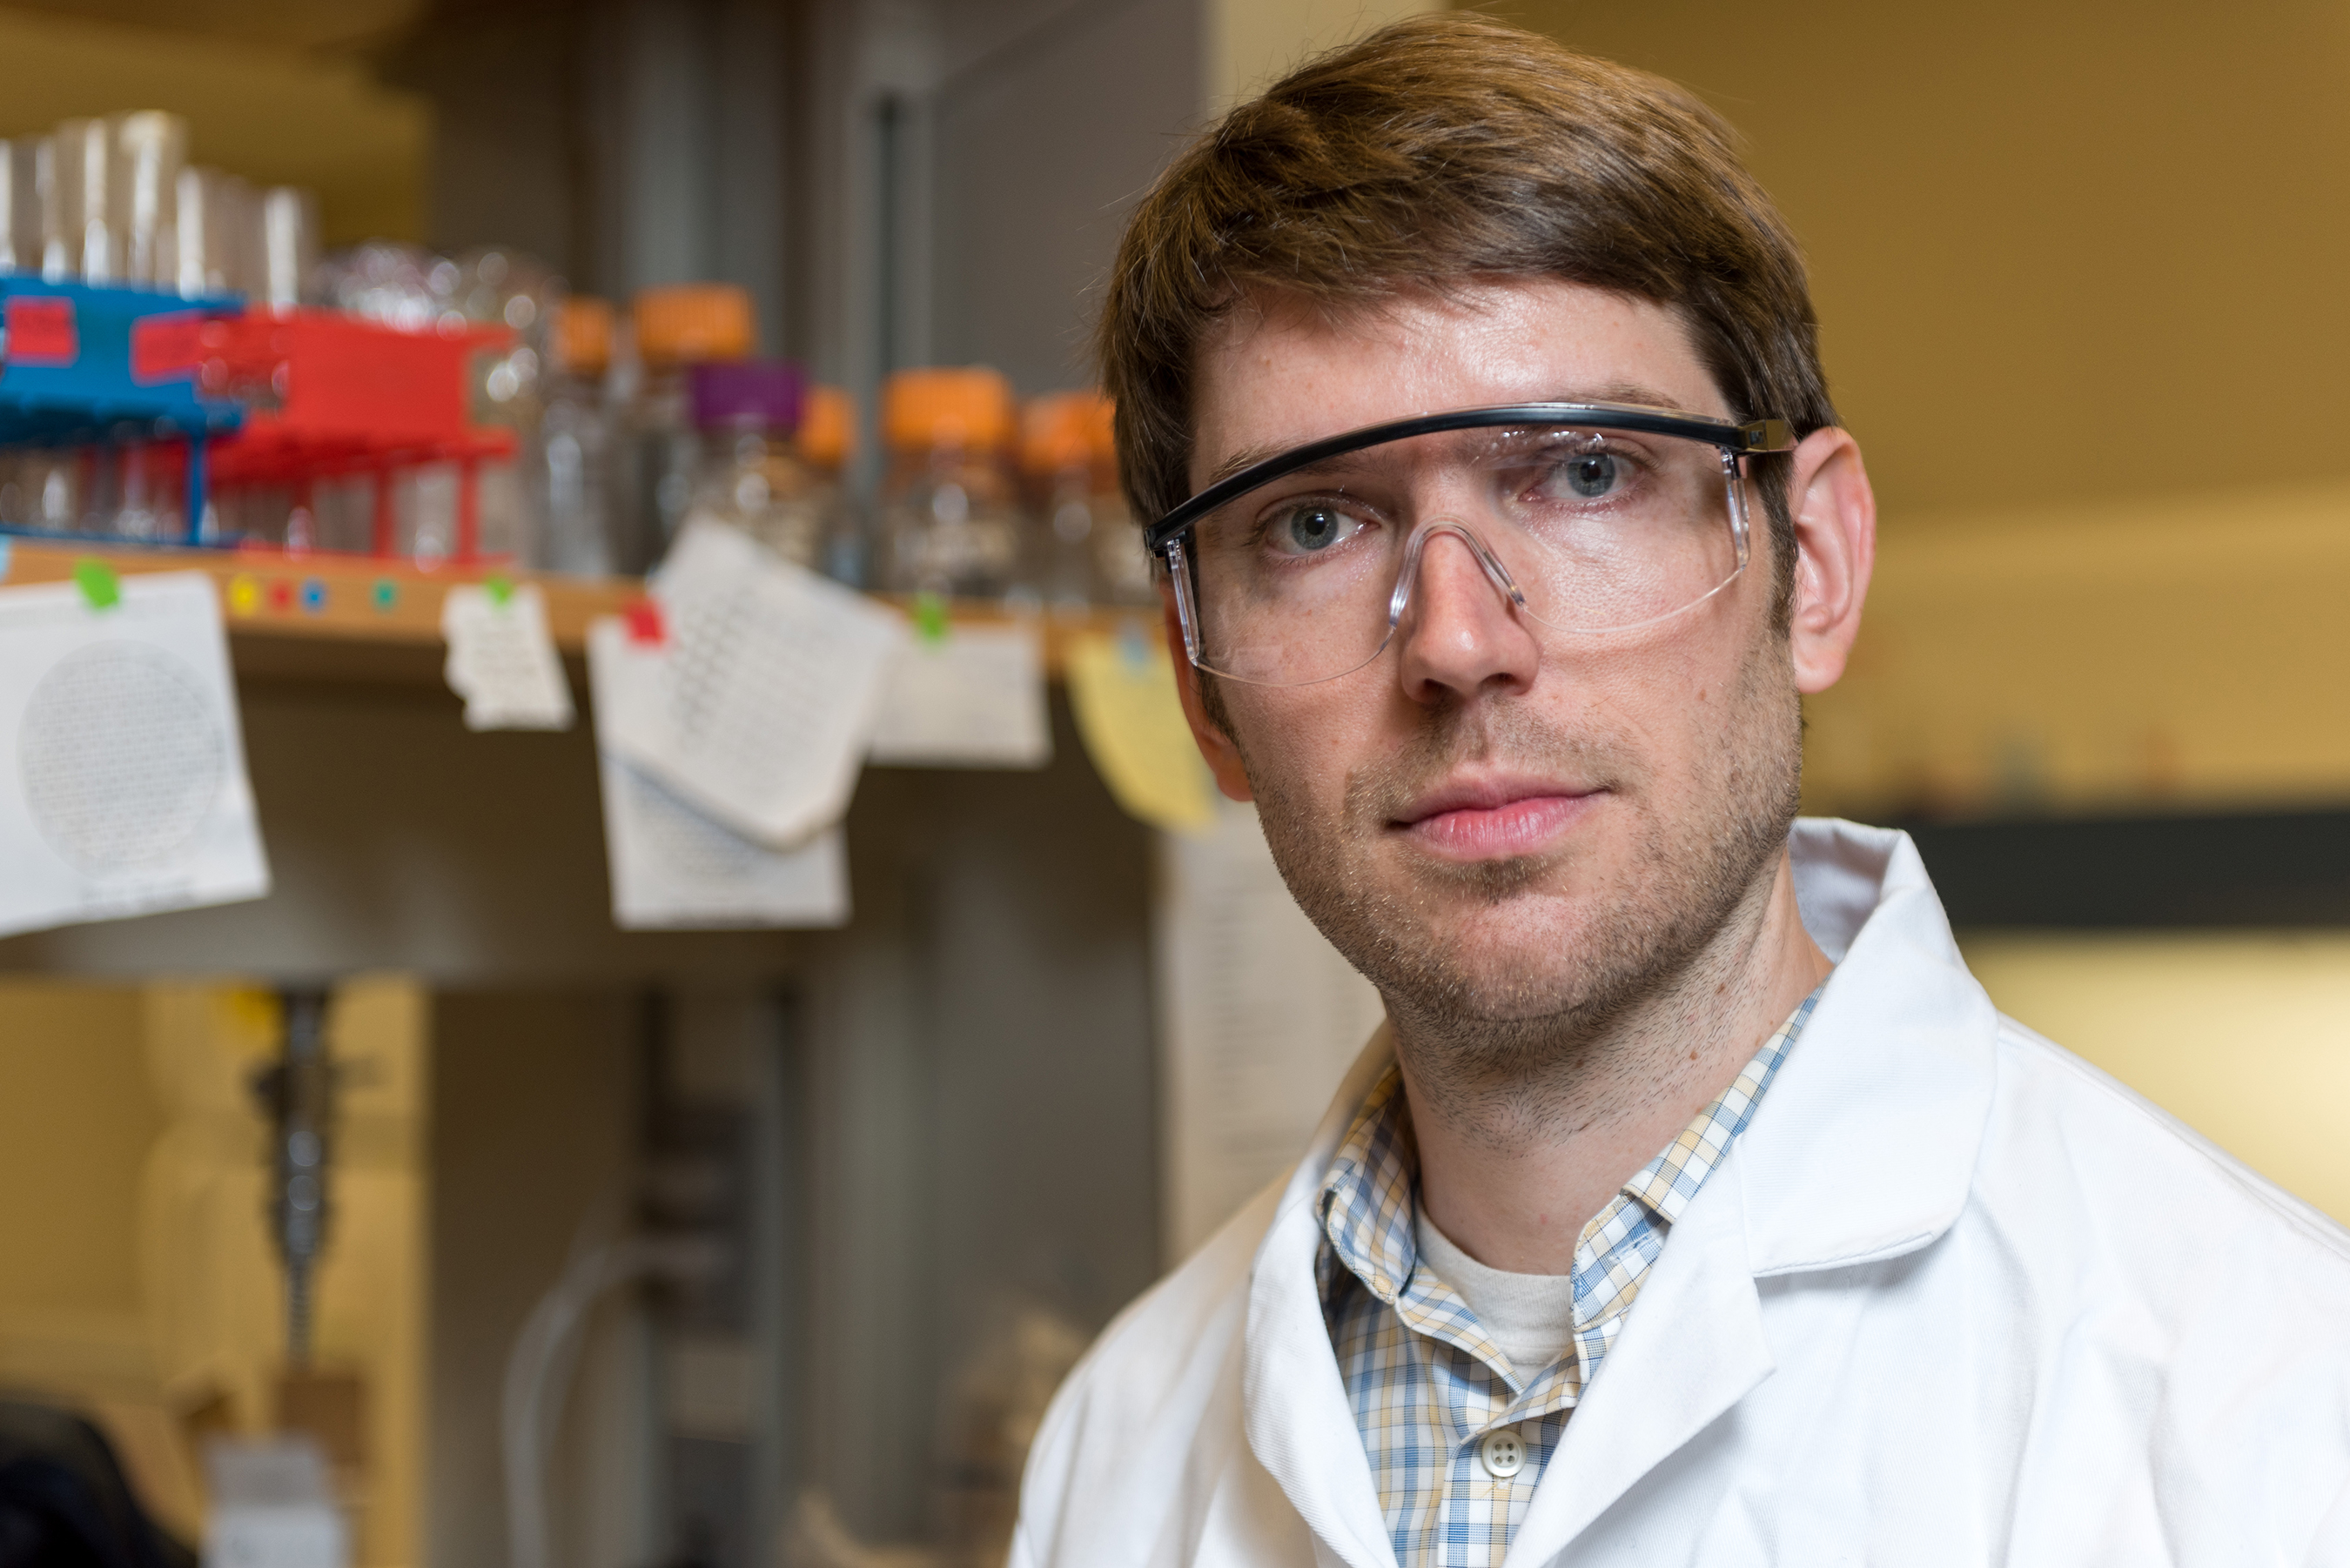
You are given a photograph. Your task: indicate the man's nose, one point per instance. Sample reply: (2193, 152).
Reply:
(1461, 635)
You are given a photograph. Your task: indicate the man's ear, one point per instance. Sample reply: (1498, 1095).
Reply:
(1836, 549)
(1224, 757)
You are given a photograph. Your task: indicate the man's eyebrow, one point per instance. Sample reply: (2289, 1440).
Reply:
(1245, 458)
(1248, 457)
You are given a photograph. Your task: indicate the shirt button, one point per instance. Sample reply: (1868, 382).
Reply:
(1504, 1453)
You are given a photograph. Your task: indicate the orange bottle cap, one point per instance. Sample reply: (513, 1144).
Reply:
(583, 334)
(694, 323)
(926, 408)
(1066, 429)
(827, 427)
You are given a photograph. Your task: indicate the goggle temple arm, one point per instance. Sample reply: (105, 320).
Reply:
(1179, 574)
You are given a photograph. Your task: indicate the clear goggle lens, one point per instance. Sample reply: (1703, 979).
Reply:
(1307, 576)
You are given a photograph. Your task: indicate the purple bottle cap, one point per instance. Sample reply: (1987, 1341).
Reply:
(765, 393)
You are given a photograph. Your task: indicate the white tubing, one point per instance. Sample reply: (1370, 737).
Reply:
(538, 1369)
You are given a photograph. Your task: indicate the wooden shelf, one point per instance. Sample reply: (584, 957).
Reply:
(341, 618)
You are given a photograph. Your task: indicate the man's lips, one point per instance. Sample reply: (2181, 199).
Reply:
(1494, 819)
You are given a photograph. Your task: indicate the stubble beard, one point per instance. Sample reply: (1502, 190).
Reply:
(1496, 1037)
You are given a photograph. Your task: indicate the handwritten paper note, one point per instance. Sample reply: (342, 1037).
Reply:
(123, 789)
(765, 697)
(1259, 1019)
(967, 697)
(674, 868)
(1122, 690)
(502, 657)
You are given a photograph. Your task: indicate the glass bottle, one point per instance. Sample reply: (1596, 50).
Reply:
(569, 456)
(827, 442)
(1092, 552)
(676, 328)
(951, 518)
(750, 476)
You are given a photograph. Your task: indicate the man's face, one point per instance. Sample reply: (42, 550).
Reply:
(1499, 823)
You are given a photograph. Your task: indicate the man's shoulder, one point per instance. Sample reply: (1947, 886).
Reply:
(2115, 1174)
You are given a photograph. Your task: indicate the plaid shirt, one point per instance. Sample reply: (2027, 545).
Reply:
(1427, 1385)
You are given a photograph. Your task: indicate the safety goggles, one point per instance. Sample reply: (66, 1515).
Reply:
(1587, 517)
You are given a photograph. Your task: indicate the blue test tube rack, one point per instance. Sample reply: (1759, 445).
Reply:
(80, 362)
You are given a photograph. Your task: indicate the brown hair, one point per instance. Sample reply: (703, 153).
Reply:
(1441, 149)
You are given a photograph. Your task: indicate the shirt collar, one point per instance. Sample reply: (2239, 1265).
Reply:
(1369, 1197)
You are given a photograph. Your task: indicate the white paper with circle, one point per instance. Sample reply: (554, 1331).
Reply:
(675, 868)
(971, 699)
(123, 789)
(767, 694)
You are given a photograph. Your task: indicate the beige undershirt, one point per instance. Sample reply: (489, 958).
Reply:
(1530, 1317)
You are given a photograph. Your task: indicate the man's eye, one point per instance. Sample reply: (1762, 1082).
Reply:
(1589, 476)
(1310, 528)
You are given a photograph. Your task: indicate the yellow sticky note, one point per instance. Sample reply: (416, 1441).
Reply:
(1123, 693)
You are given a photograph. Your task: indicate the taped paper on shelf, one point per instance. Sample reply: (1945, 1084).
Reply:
(1122, 691)
(123, 791)
(765, 702)
(973, 698)
(675, 868)
(1259, 1018)
(501, 658)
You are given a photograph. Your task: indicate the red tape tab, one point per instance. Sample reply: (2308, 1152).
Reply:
(166, 348)
(644, 618)
(41, 331)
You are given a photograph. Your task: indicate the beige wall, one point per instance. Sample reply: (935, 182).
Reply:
(140, 1283)
(2060, 252)
(272, 114)
(75, 1128)
(1251, 42)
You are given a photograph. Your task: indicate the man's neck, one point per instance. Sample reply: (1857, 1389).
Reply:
(1512, 1172)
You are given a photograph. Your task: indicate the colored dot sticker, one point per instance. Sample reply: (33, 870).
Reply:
(97, 583)
(501, 588)
(281, 595)
(314, 595)
(384, 595)
(244, 595)
(931, 618)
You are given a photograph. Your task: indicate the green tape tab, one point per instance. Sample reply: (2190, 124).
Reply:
(501, 588)
(97, 583)
(930, 619)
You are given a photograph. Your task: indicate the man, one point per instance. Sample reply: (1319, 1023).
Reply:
(1695, 1204)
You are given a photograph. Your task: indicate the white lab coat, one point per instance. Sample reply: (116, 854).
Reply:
(1955, 1298)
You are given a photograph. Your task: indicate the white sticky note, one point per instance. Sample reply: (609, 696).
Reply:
(971, 699)
(765, 701)
(502, 660)
(674, 868)
(123, 788)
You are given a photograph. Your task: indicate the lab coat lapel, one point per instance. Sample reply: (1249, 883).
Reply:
(1694, 1346)
(1299, 1425)
(1895, 1074)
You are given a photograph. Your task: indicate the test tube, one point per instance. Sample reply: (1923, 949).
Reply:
(289, 246)
(60, 255)
(149, 147)
(20, 206)
(85, 182)
(209, 216)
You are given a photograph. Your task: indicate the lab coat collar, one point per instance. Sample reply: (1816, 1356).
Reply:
(1864, 1150)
